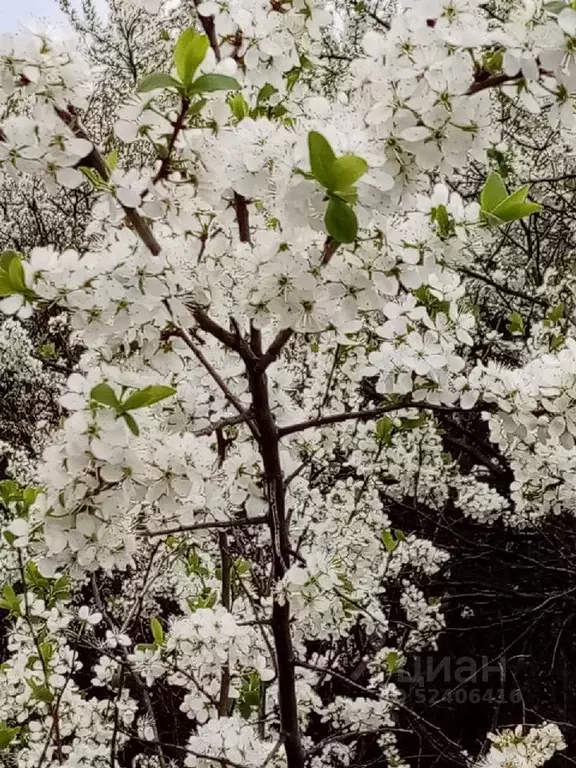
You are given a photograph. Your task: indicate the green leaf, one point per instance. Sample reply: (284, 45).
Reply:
(131, 423)
(493, 192)
(340, 221)
(388, 541)
(322, 158)
(265, 92)
(156, 80)
(46, 652)
(189, 52)
(196, 107)
(493, 61)
(556, 342)
(6, 288)
(414, 423)
(516, 324)
(392, 660)
(157, 631)
(209, 83)
(41, 692)
(94, 177)
(440, 215)
(7, 257)
(515, 206)
(7, 735)
(34, 577)
(556, 314)
(104, 394)
(16, 275)
(384, 430)
(239, 106)
(555, 6)
(345, 171)
(400, 535)
(490, 220)
(142, 398)
(112, 159)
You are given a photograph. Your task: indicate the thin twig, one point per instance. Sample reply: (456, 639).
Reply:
(144, 695)
(215, 524)
(191, 344)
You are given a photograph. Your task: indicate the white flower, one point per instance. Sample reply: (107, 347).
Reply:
(84, 614)
(16, 305)
(115, 639)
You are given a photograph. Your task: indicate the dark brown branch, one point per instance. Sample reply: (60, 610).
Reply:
(274, 350)
(530, 298)
(214, 329)
(494, 81)
(242, 217)
(210, 29)
(227, 422)
(269, 445)
(215, 524)
(373, 413)
(166, 163)
(95, 160)
(143, 691)
(225, 567)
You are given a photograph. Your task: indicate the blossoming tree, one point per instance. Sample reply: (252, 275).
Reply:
(274, 301)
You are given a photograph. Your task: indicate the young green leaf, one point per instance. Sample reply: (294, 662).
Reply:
(392, 660)
(131, 423)
(155, 81)
(142, 398)
(556, 313)
(340, 221)
(7, 257)
(6, 288)
(345, 172)
(157, 631)
(211, 82)
(515, 206)
(16, 276)
(388, 540)
(112, 159)
(384, 430)
(7, 735)
(239, 106)
(322, 158)
(516, 324)
(265, 92)
(94, 177)
(196, 107)
(493, 193)
(189, 52)
(41, 692)
(104, 394)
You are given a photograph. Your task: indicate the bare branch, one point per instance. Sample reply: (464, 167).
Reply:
(186, 338)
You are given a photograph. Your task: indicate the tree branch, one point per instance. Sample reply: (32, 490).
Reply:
(164, 169)
(181, 333)
(225, 566)
(144, 695)
(504, 288)
(269, 445)
(372, 413)
(215, 524)
(95, 160)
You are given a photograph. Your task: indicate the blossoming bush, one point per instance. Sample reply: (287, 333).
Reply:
(274, 294)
